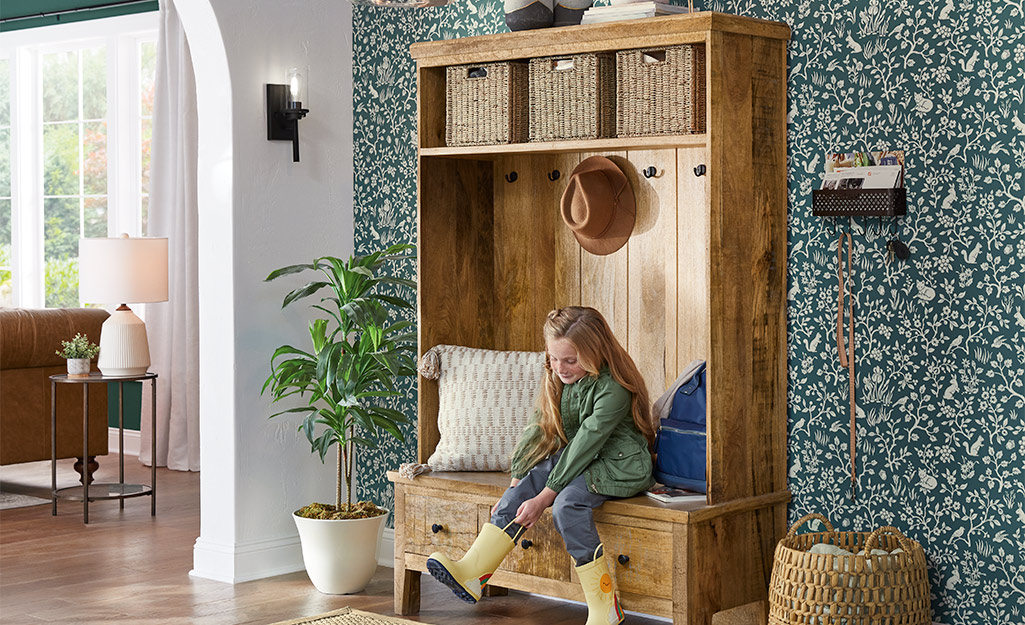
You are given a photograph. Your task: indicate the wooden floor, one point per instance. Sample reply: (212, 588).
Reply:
(128, 567)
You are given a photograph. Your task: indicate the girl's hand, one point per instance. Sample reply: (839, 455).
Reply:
(530, 510)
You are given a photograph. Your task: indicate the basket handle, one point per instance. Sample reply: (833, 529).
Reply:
(811, 515)
(656, 56)
(873, 539)
(563, 64)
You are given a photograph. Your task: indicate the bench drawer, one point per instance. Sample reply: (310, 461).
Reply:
(456, 522)
(545, 555)
(649, 559)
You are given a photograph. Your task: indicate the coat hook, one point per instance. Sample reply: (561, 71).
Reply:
(511, 177)
(649, 172)
(700, 170)
(554, 175)
(893, 224)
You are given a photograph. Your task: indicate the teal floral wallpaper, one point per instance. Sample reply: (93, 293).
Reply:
(940, 337)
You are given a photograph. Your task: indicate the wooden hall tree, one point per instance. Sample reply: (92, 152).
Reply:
(702, 276)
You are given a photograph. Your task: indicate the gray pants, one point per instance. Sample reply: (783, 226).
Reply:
(573, 510)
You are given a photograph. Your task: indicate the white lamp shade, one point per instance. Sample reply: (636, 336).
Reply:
(122, 271)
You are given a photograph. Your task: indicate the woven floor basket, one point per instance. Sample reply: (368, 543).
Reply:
(664, 97)
(574, 102)
(825, 589)
(488, 109)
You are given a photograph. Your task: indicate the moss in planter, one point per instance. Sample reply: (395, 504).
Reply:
(361, 510)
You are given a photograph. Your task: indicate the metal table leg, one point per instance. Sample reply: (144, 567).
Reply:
(85, 452)
(153, 448)
(121, 439)
(53, 445)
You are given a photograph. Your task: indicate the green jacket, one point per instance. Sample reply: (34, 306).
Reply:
(604, 444)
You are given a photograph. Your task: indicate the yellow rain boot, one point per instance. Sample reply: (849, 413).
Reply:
(600, 592)
(467, 577)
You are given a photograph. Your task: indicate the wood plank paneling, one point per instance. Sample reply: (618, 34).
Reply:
(567, 251)
(455, 270)
(431, 106)
(651, 333)
(692, 304)
(603, 279)
(525, 249)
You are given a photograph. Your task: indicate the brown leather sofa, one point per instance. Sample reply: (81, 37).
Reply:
(29, 339)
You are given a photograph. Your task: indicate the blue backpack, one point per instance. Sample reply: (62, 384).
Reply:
(681, 443)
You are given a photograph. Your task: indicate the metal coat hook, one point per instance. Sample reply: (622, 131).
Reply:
(511, 177)
(700, 170)
(853, 223)
(649, 172)
(554, 175)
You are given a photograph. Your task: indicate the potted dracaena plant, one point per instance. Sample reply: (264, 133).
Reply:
(78, 352)
(358, 353)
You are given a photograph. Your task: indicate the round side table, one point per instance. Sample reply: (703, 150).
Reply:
(95, 492)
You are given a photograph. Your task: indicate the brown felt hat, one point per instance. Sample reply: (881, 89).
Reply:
(598, 206)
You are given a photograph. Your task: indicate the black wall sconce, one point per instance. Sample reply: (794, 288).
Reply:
(285, 109)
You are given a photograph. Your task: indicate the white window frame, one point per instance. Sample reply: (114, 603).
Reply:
(122, 36)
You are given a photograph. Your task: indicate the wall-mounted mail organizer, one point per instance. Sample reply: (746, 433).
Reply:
(879, 203)
(859, 202)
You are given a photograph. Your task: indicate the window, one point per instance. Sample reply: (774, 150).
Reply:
(76, 105)
(6, 281)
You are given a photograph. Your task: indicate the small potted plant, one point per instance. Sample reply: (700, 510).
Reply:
(78, 351)
(358, 353)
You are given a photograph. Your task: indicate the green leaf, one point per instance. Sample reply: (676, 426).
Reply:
(303, 291)
(284, 271)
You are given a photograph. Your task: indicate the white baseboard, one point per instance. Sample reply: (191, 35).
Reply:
(133, 441)
(245, 562)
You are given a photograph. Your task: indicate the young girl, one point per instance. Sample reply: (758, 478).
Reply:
(590, 440)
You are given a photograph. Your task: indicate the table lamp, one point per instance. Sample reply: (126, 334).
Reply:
(116, 271)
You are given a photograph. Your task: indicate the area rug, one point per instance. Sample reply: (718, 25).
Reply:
(347, 616)
(14, 500)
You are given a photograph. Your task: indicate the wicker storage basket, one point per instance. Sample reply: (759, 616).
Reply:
(660, 91)
(573, 97)
(823, 589)
(486, 104)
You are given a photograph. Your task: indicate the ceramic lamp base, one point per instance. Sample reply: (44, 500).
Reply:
(124, 347)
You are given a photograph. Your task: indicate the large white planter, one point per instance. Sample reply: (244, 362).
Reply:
(340, 555)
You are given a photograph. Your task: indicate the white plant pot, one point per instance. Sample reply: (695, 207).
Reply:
(78, 367)
(340, 555)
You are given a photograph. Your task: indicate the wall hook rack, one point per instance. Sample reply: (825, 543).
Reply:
(554, 175)
(511, 177)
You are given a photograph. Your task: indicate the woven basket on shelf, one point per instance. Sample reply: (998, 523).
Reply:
(660, 91)
(822, 589)
(486, 104)
(573, 97)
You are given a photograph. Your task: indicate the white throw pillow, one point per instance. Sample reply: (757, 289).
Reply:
(485, 399)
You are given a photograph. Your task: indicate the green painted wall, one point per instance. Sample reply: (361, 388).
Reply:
(22, 8)
(133, 404)
(940, 339)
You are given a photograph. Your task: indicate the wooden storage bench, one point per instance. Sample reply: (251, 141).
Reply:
(669, 560)
(702, 276)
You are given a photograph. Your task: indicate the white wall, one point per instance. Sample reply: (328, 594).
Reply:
(259, 211)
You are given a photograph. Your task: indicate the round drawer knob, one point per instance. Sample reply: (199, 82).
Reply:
(437, 527)
(623, 558)
(526, 544)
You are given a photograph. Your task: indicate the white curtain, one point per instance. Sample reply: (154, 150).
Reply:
(173, 326)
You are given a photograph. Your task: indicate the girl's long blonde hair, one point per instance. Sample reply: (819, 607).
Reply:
(586, 329)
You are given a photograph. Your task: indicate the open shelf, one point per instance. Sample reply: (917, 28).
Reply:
(617, 144)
